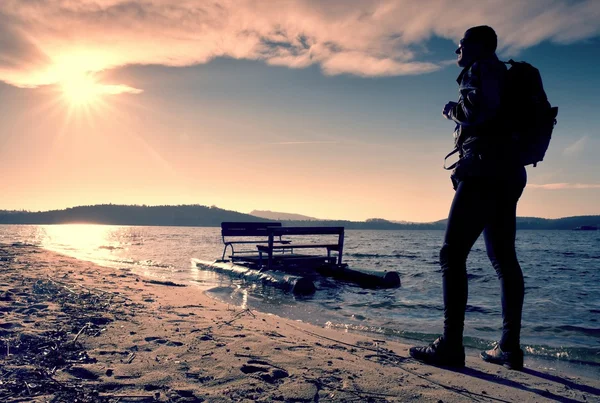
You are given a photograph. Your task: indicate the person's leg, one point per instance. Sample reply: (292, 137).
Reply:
(466, 220)
(500, 236)
(500, 244)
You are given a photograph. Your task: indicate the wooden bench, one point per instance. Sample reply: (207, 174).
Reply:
(281, 256)
(234, 233)
(275, 233)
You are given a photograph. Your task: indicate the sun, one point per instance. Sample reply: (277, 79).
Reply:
(81, 90)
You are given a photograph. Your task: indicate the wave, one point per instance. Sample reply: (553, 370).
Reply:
(579, 329)
(383, 255)
(595, 332)
(109, 247)
(151, 263)
(583, 255)
(576, 355)
(477, 309)
(397, 305)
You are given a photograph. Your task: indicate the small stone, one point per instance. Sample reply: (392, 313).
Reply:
(7, 296)
(82, 373)
(278, 373)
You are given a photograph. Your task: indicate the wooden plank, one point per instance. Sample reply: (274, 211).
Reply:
(278, 231)
(265, 248)
(341, 247)
(247, 228)
(257, 241)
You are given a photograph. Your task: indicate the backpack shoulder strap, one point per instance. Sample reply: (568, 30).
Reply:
(448, 156)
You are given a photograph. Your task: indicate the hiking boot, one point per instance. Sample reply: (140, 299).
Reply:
(511, 360)
(440, 353)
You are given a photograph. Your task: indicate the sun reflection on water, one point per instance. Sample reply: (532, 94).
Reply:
(150, 252)
(87, 241)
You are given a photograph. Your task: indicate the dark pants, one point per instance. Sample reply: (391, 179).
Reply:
(485, 205)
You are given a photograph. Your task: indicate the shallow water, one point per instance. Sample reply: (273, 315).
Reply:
(561, 268)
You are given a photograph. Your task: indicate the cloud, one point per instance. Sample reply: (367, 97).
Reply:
(40, 40)
(577, 147)
(563, 186)
(287, 143)
(119, 89)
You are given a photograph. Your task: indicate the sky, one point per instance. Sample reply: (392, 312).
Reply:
(330, 109)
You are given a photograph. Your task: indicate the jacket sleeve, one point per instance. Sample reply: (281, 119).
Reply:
(480, 94)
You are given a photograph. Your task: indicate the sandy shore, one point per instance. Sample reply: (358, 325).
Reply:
(74, 331)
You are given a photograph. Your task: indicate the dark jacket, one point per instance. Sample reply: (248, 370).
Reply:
(485, 146)
(478, 124)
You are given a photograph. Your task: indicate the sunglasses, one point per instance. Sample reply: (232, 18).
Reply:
(461, 44)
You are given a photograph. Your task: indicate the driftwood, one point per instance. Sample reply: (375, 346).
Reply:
(168, 283)
(29, 360)
(236, 317)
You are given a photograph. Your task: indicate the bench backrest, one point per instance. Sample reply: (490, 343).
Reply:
(247, 228)
(309, 231)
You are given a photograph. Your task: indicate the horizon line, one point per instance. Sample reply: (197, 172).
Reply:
(391, 221)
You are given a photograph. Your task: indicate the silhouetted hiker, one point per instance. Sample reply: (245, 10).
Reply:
(488, 179)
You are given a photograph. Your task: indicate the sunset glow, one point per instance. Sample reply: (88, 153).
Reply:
(81, 90)
(329, 109)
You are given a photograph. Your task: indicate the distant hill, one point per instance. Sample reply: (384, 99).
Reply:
(558, 223)
(203, 216)
(275, 215)
(280, 216)
(184, 215)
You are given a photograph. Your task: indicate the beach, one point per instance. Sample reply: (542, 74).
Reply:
(71, 331)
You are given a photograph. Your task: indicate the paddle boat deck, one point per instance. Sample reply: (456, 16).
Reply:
(264, 251)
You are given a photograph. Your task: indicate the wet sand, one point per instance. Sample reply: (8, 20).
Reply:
(74, 331)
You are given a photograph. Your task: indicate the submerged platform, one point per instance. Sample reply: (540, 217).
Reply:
(299, 285)
(265, 252)
(300, 280)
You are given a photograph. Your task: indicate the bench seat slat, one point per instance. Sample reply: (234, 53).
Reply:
(256, 241)
(264, 248)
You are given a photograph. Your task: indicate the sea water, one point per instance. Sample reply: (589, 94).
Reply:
(561, 313)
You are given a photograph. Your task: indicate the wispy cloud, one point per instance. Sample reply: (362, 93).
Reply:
(563, 186)
(577, 147)
(287, 143)
(360, 37)
(120, 89)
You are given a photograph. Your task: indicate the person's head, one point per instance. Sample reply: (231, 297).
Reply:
(477, 43)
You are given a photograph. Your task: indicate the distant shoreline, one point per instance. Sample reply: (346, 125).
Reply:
(203, 216)
(347, 227)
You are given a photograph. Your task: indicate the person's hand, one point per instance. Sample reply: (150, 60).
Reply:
(447, 109)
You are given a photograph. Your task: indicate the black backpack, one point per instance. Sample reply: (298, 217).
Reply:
(529, 115)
